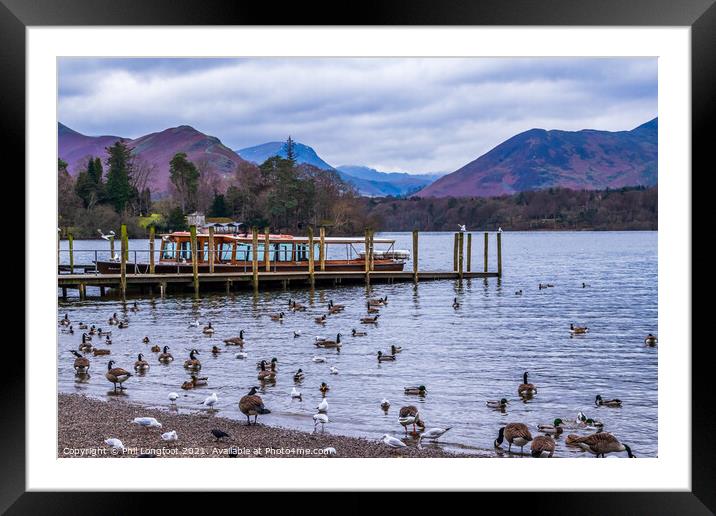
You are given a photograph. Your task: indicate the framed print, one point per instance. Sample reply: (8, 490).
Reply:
(377, 256)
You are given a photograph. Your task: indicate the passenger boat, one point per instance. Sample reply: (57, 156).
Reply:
(286, 253)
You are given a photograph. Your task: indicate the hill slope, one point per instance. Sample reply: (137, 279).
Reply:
(304, 154)
(373, 183)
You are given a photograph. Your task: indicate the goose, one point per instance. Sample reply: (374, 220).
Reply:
(599, 402)
(295, 393)
(296, 307)
(116, 375)
(114, 443)
(497, 404)
(147, 422)
(113, 320)
(82, 326)
(600, 443)
(372, 310)
(296, 334)
(379, 301)
(85, 345)
(385, 404)
(273, 363)
(170, 436)
(334, 306)
(141, 364)
(319, 360)
(155, 348)
(277, 317)
(554, 429)
(320, 418)
(370, 320)
(252, 405)
(334, 370)
(455, 304)
(395, 349)
(526, 389)
(298, 375)
(108, 341)
(68, 330)
(434, 433)
(241, 355)
(267, 375)
(210, 401)
(173, 396)
(392, 442)
(135, 307)
(515, 433)
(330, 343)
(165, 357)
(421, 391)
(578, 330)
(92, 330)
(81, 363)
(219, 434)
(145, 340)
(409, 415)
(65, 321)
(542, 446)
(323, 405)
(215, 350)
(236, 341)
(321, 319)
(100, 352)
(192, 362)
(208, 329)
(324, 388)
(332, 309)
(385, 358)
(356, 333)
(650, 340)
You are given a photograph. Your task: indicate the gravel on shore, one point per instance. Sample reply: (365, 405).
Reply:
(84, 423)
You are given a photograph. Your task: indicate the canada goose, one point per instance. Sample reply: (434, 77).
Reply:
(526, 389)
(298, 375)
(192, 362)
(165, 357)
(395, 349)
(409, 415)
(81, 363)
(92, 330)
(208, 329)
(497, 404)
(323, 406)
(141, 364)
(372, 310)
(236, 341)
(116, 375)
(330, 343)
(420, 391)
(147, 422)
(155, 348)
(277, 317)
(135, 307)
(296, 307)
(650, 340)
(272, 363)
(324, 388)
(578, 330)
(69, 330)
(514, 433)
(599, 402)
(385, 404)
(252, 405)
(554, 429)
(295, 393)
(455, 304)
(215, 350)
(542, 446)
(320, 418)
(65, 321)
(434, 433)
(100, 352)
(333, 306)
(267, 375)
(145, 340)
(392, 442)
(356, 333)
(321, 319)
(379, 301)
(600, 443)
(219, 434)
(170, 436)
(385, 358)
(370, 320)
(210, 401)
(333, 309)
(85, 345)
(173, 396)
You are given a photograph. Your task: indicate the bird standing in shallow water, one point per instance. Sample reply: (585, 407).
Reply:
(116, 375)
(252, 405)
(392, 442)
(542, 446)
(598, 444)
(515, 433)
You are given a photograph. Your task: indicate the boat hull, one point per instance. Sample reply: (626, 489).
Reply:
(112, 267)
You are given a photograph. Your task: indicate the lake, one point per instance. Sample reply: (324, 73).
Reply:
(464, 357)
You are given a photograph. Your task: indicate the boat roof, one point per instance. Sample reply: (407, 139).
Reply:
(275, 238)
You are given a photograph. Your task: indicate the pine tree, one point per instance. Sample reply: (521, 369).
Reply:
(291, 150)
(119, 188)
(185, 178)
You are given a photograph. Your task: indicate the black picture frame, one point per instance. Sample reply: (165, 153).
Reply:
(700, 15)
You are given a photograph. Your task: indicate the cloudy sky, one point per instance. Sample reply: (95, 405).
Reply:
(414, 115)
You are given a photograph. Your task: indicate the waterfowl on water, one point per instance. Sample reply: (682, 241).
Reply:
(81, 363)
(409, 415)
(318, 359)
(385, 404)
(542, 446)
(108, 340)
(584, 285)
(497, 404)
(155, 348)
(116, 375)
(395, 349)
(599, 402)
(135, 307)
(333, 306)
(554, 429)
(165, 356)
(379, 301)
(600, 443)
(192, 362)
(525, 388)
(82, 326)
(298, 375)
(273, 363)
(121, 325)
(295, 393)
(100, 352)
(277, 317)
(92, 330)
(330, 343)
(147, 422)
(323, 406)
(392, 442)
(334, 309)
(385, 358)
(194, 324)
(420, 391)
(85, 345)
(145, 340)
(434, 433)
(208, 329)
(113, 320)
(372, 310)
(515, 433)
(650, 340)
(321, 319)
(210, 401)
(69, 330)
(173, 396)
(324, 388)
(356, 333)
(141, 364)
(585, 422)
(252, 405)
(455, 304)
(518, 292)
(187, 385)
(241, 355)
(65, 321)
(578, 330)
(236, 341)
(215, 350)
(296, 334)
(370, 320)
(320, 418)
(334, 370)
(267, 375)
(296, 307)
(103, 333)
(199, 381)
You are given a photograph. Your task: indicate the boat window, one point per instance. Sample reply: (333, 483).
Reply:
(243, 252)
(284, 252)
(185, 250)
(225, 252)
(169, 251)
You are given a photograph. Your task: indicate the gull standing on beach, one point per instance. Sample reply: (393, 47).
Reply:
(114, 443)
(170, 436)
(147, 422)
(210, 400)
(320, 418)
(392, 442)
(173, 396)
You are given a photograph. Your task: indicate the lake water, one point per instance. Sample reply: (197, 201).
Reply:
(464, 357)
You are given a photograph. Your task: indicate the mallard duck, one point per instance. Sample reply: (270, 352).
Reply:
(100, 352)
(578, 330)
(321, 319)
(554, 429)
(208, 329)
(650, 340)
(371, 310)
(82, 326)
(515, 433)
(155, 348)
(324, 388)
(116, 375)
(81, 363)
(165, 356)
(236, 341)
(108, 340)
(215, 350)
(277, 317)
(542, 446)
(497, 404)
(187, 385)
(141, 364)
(267, 375)
(420, 391)
(385, 404)
(145, 340)
(68, 331)
(409, 415)
(455, 304)
(385, 358)
(199, 381)
(525, 388)
(356, 333)
(370, 320)
(122, 325)
(587, 422)
(298, 376)
(395, 349)
(599, 402)
(252, 405)
(103, 333)
(599, 443)
(330, 343)
(192, 362)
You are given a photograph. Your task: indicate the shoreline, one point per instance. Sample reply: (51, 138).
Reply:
(84, 423)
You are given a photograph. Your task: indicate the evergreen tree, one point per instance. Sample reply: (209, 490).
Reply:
(176, 220)
(185, 178)
(119, 187)
(218, 206)
(291, 150)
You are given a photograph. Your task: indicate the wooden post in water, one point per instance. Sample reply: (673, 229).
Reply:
(469, 252)
(111, 247)
(194, 258)
(212, 251)
(454, 252)
(151, 249)
(371, 248)
(460, 256)
(415, 255)
(58, 249)
(83, 291)
(255, 256)
(367, 256)
(310, 255)
(499, 254)
(322, 250)
(267, 250)
(123, 260)
(486, 245)
(70, 242)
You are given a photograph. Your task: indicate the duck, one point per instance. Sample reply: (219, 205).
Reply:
(324, 388)
(409, 415)
(420, 390)
(236, 341)
(199, 381)
(497, 404)
(330, 343)
(103, 333)
(100, 352)
(323, 406)
(170, 436)
(554, 429)
(385, 358)
(542, 446)
(141, 364)
(584, 285)
(113, 320)
(215, 350)
(187, 385)
(68, 331)
(298, 376)
(85, 344)
(92, 330)
(650, 340)
(155, 348)
(210, 401)
(173, 397)
(82, 326)
(599, 402)
(121, 325)
(208, 329)
(192, 362)
(108, 340)
(145, 340)
(455, 304)
(165, 356)
(116, 375)
(395, 349)
(81, 364)
(320, 418)
(267, 375)
(525, 388)
(518, 292)
(356, 333)
(370, 320)
(277, 317)
(515, 433)
(295, 393)
(321, 319)
(599, 443)
(578, 330)
(252, 405)
(392, 442)
(147, 422)
(434, 434)
(585, 422)
(385, 404)
(318, 360)
(371, 310)
(296, 307)
(241, 355)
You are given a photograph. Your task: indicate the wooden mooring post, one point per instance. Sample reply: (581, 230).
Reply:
(194, 259)
(267, 250)
(70, 243)
(123, 260)
(212, 250)
(151, 249)
(255, 257)
(111, 247)
(367, 256)
(460, 256)
(456, 236)
(311, 272)
(469, 252)
(487, 241)
(499, 254)
(415, 255)
(322, 250)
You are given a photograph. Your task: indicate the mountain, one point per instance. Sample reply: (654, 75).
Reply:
(538, 159)
(304, 154)
(155, 149)
(372, 183)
